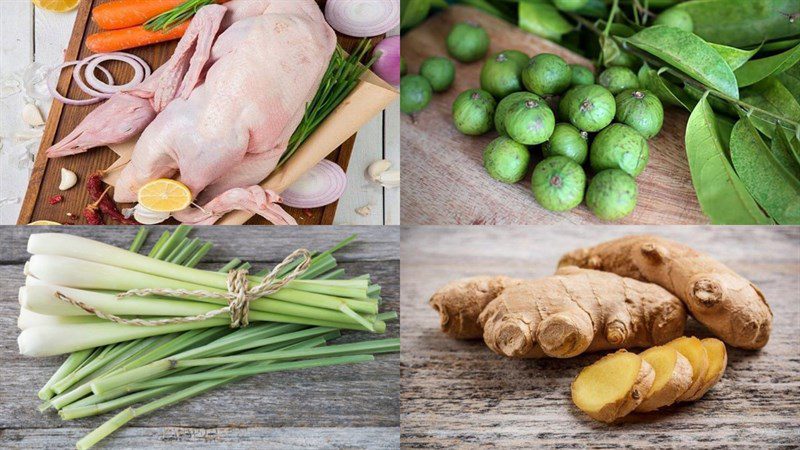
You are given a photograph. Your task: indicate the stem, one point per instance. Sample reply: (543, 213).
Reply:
(138, 241)
(73, 361)
(688, 80)
(199, 254)
(173, 241)
(231, 265)
(159, 243)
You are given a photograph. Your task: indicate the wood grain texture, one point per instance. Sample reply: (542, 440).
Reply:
(459, 393)
(444, 181)
(62, 119)
(353, 406)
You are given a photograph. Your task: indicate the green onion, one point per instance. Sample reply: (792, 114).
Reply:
(175, 16)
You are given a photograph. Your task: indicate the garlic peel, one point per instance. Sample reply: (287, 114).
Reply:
(364, 210)
(378, 167)
(68, 179)
(31, 115)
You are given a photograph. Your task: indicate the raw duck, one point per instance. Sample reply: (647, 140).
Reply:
(220, 112)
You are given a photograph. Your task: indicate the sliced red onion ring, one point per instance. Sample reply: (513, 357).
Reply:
(140, 68)
(76, 75)
(320, 186)
(52, 80)
(363, 18)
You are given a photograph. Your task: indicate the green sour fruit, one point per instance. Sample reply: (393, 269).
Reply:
(506, 160)
(581, 75)
(501, 75)
(473, 111)
(517, 56)
(439, 71)
(590, 108)
(529, 122)
(415, 93)
(467, 42)
(617, 79)
(640, 110)
(403, 67)
(558, 183)
(619, 147)
(547, 74)
(612, 194)
(506, 104)
(567, 141)
(676, 18)
(570, 5)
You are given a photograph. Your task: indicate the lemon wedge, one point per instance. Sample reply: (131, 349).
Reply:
(44, 222)
(165, 195)
(59, 6)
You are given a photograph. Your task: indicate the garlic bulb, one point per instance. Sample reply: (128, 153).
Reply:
(390, 179)
(379, 173)
(68, 179)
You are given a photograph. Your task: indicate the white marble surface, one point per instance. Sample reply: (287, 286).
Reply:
(29, 35)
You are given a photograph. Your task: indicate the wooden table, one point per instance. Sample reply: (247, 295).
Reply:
(444, 181)
(30, 35)
(460, 393)
(355, 406)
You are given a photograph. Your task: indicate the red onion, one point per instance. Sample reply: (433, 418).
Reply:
(363, 18)
(94, 86)
(320, 186)
(387, 66)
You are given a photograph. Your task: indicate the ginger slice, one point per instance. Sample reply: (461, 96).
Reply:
(717, 362)
(673, 377)
(693, 349)
(613, 386)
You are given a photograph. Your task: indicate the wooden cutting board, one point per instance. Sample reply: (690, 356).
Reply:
(62, 119)
(444, 181)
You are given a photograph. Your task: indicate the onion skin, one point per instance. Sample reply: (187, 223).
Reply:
(322, 185)
(363, 18)
(387, 66)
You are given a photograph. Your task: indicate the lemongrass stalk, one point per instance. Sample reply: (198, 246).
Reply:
(177, 249)
(159, 243)
(186, 252)
(138, 240)
(28, 319)
(244, 266)
(68, 249)
(232, 264)
(78, 412)
(198, 255)
(177, 237)
(153, 369)
(129, 414)
(80, 274)
(332, 275)
(109, 353)
(41, 298)
(73, 361)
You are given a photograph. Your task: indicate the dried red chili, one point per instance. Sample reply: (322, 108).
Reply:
(94, 185)
(56, 199)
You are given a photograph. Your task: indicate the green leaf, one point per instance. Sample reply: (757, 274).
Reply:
(776, 46)
(756, 70)
(543, 19)
(742, 23)
(663, 89)
(790, 78)
(733, 56)
(721, 194)
(783, 152)
(773, 187)
(594, 8)
(413, 12)
(770, 95)
(689, 54)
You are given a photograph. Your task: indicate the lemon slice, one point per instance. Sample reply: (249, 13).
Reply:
(56, 5)
(165, 195)
(44, 222)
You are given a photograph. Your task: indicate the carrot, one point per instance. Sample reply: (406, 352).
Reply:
(121, 14)
(116, 40)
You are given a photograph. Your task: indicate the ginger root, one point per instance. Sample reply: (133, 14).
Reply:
(562, 316)
(717, 362)
(725, 302)
(673, 377)
(613, 386)
(693, 350)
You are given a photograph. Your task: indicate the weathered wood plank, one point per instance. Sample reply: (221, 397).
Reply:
(261, 245)
(460, 393)
(444, 180)
(343, 406)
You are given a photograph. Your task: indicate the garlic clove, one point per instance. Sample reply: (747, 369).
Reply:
(378, 167)
(364, 210)
(389, 179)
(32, 116)
(68, 179)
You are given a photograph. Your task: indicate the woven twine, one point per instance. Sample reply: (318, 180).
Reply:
(239, 295)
